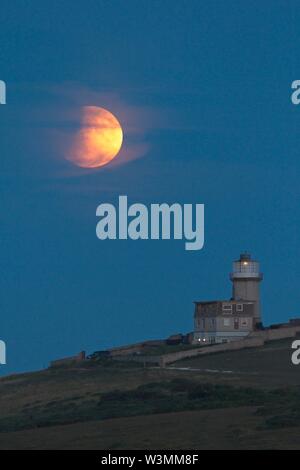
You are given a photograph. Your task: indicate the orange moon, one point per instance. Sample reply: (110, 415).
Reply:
(98, 141)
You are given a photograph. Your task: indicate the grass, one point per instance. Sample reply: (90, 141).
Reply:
(230, 428)
(97, 406)
(154, 398)
(268, 366)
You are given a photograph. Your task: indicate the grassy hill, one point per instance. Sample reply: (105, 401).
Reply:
(243, 399)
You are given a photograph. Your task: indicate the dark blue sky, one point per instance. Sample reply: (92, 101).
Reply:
(205, 86)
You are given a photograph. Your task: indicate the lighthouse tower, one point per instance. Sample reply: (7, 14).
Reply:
(245, 279)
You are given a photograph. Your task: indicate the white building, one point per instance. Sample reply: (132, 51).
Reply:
(221, 321)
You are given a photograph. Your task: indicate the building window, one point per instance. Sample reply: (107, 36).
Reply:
(227, 308)
(239, 307)
(227, 322)
(244, 322)
(213, 322)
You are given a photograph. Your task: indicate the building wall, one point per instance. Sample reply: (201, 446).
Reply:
(280, 333)
(241, 322)
(219, 336)
(223, 307)
(247, 289)
(222, 321)
(234, 346)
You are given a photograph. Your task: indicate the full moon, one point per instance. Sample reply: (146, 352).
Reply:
(98, 141)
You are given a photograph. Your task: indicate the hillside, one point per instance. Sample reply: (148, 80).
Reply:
(241, 399)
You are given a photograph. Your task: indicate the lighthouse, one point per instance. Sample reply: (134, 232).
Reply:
(246, 277)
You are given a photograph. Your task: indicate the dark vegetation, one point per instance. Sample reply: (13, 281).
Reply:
(160, 397)
(234, 400)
